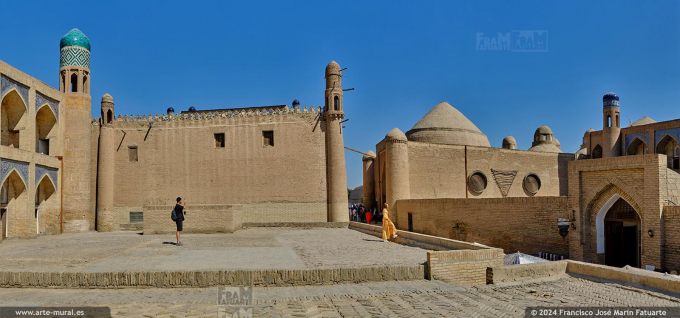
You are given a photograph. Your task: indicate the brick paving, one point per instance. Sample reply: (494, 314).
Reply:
(384, 299)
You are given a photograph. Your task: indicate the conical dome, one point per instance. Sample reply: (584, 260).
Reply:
(75, 37)
(444, 124)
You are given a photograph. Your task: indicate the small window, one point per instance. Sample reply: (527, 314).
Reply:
(268, 138)
(336, 103)
(136, 217)
(109, 116)
(132, 154)
(219, 140)
(609, 121)
(74, 83)
(44, 146)
(410, 222)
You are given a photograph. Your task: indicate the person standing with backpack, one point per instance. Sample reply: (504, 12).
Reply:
(178, 217)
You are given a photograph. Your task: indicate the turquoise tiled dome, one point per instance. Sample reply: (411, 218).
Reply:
(75, 37)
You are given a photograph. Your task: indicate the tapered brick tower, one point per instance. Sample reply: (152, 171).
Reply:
(74, 82)
(336, 174)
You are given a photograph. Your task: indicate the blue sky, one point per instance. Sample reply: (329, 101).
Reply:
(403, 57)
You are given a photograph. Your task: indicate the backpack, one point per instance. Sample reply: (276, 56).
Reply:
(173, 215)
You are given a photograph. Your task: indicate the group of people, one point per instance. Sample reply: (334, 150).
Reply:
(359, 213)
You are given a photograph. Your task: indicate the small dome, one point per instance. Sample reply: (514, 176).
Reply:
(170, 110)
(107, 98)
(396, 134)
(610, 99)
(333, 68)
(643, 121)
(444, 124)
(296, 103)
(192, 109)
(75, 37)
(545, 141)
(610, 95)
(509, 142)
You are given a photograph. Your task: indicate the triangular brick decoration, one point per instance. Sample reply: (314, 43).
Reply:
(504, 179)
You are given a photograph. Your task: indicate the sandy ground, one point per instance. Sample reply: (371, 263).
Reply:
(255, 248)
(383, 299)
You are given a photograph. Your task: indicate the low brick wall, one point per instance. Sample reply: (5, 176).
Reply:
(463, 267)
(509, 274)
(638, 277)
(210, 278)
(424, 241)
(449, 260)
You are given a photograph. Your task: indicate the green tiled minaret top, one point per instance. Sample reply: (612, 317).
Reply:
(75, 37)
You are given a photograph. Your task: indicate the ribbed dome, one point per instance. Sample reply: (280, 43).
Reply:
(444, 124)
(75, 38)
(545, 141)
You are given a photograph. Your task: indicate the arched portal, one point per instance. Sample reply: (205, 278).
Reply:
(597, 152)
(667, 147)
(45, 129)
(44, 197)
(618, 233)
(13, 110)
(637, 147)
(13, 197)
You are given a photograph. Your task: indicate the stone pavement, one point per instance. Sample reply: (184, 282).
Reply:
(251, 249)
(382, 299)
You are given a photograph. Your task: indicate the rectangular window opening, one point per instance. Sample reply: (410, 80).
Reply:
(219, 140)
(268, 138)
(132, 154)
(136, 217)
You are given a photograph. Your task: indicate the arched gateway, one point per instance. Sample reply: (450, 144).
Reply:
(618, 233)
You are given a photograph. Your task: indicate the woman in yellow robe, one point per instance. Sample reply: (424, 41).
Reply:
(389, 231)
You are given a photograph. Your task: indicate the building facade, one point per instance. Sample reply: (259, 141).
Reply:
(614, 202)
(65, 171)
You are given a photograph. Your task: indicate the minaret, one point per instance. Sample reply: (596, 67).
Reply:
(368, 196)
(611, 126)
(336, 174)
(397, 181)
(74, 82)
(105, 166)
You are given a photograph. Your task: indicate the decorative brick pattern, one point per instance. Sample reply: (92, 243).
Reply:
(7, 84)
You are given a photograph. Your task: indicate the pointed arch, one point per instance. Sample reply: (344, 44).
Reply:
(14, 173)
(11, 114)
(636, 147)
(45, 129)
(45, 188)
(597, 152)
(602, 214)
(667, 146)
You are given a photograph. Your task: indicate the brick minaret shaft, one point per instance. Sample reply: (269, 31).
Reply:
(105, 167)
(74, 82)
(336, 174)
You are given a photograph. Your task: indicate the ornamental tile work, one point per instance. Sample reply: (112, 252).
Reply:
(7, 84)
(7, 165)
(41, 100)
(642, 136)
(74, 56)
(41, 171)
(673, 132)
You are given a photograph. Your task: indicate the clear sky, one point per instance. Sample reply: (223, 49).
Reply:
(403, 57)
